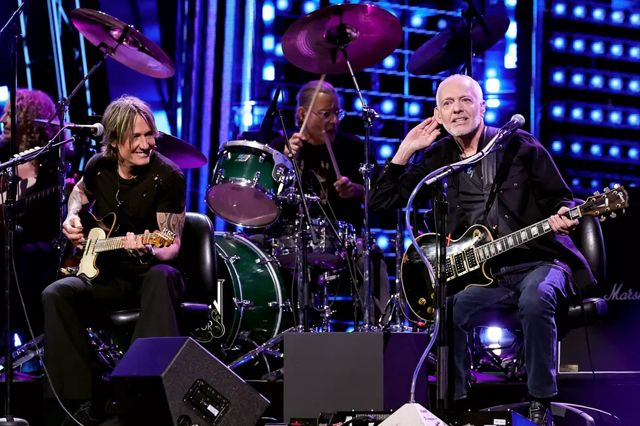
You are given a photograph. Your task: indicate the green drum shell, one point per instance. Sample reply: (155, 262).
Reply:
(242, 170)
(255, 280)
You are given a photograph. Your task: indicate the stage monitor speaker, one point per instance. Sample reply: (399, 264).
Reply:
(175, 381)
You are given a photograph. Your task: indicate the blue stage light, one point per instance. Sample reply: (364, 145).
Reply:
(309, 6)
(512, 31)
(614, 151)
(634, 85)
(577, 79)
(559, 43)
(383, 242)
(577, 113)
(617, 16)
(492, 85)
(389, 62)
(579, 11)
(415, 109)
(596, 183)
(557, 111)
(385, 151)
(633, 119)
(357, 105)
(576, 147)
(268, 12)
(493, 103)
(597, 47)
(388, 106)
(407, 242)
(442, 24)
(578, 45)
(615, 117)
(556, 146)
(268, 43)
(635, 19)
(491, 73)
(596, 115)
(417, 21)
(633, 153)
(596, 150)
(490, 117)
(615, 83)
(278, 49)
(560, 9)
(575, 182)
(634, 52)
(616, 50)
(598, 14)
(268, 71)
(510, 3)
(558, 77)
(282, 4)
(597, 81)
(4, 94)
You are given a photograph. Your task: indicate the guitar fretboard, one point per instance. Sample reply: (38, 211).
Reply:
(114, 243)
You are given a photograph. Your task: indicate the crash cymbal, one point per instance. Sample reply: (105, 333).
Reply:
(450, 48)
(137, 52)
(185, 155)
(369, 32)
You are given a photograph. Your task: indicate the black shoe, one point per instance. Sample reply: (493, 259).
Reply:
(540, 414)
(87, 415)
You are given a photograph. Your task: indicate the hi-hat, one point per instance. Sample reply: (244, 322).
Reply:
(136, 52)
(450, 48)
(369, 34)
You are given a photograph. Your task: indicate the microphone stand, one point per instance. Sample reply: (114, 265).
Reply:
(10, 220)
(301, 256)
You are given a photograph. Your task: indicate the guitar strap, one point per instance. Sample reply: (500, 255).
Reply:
(489, 166)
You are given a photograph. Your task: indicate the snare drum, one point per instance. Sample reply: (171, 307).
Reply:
(329, 250)
(246, 181)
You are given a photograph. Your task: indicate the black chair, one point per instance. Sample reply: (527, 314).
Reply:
(197, 264)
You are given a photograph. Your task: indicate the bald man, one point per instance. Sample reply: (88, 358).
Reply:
(537, 278)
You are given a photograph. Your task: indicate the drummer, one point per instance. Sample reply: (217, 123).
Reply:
(341, 197)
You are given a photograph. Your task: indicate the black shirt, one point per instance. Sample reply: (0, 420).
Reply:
(349, 152)
(159, 187)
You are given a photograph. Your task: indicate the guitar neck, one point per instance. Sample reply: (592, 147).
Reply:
(115, 243)
(515, 239)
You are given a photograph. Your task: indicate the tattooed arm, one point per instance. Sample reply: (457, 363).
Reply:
(174, 222)
(79, 199)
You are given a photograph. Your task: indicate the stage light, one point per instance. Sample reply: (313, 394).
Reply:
(407, 243)
(442, 24)
(417, 21)
(598, 14)
(596, 115)
(388, 106)
(560, 9)
(597, 81)
(596, 150)
(268, 43)
(357, 104)
(557, 146)
(492, 85)
(634, 52)
(577, 79)
(576, 147)
(575, 182)
(635, 19)
(278, 49)
(617, 50)
(559, 43)
(511, 57)
(383, 242)
(633, 153)
(579, 11)
(634, 85)
(595, 183)
(493, 103)
(615, 117)
(490, 117)
(284, 95)
(558, 77)
(385, 151)
(282, 4)
(4, 94)
(494, 334)
(491, 73)
(389, 62)
(578, 45)
(617, 16)
(309, 6)
(268, 72)
(614, 151)
(17, 342)
(415, 109)
(577, 113)
(510, 3)
(633, 119)
(597, 48)
(615, 83)
(268, 12)
(512, 32)
(557, 111)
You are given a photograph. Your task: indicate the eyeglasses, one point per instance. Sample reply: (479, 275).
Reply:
(327, 113)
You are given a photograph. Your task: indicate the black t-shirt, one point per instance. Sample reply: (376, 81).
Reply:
(471, 195)
(159, 187)
(349, 152)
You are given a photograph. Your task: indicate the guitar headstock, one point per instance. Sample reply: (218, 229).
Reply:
(162, 238)
(608, 202)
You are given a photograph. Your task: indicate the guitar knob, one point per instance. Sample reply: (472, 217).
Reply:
(613, 215)
(422, 301)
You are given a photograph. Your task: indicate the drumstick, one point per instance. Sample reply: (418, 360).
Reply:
(313, 100)
(333, 157)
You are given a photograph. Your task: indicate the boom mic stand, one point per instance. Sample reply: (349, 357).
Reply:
(10, 221)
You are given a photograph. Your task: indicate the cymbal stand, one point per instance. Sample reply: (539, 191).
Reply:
(396, 301)
(469, 14)
(303, 307)
(368, 114)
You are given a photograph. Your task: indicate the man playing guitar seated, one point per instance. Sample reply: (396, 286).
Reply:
(146, 191)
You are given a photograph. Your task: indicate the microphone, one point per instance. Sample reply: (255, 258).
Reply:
(514, 124)
(96, 129)
(269, 118)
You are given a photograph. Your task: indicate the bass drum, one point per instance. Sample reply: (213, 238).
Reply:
(251, 300)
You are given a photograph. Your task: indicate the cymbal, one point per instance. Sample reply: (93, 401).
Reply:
(137, 52)
(185, 155)
(450, 48)
(370, 32)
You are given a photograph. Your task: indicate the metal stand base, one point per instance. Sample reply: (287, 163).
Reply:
(265, 348)
(13, 421)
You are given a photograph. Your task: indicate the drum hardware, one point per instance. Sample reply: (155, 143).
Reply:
(256, 178)
(324, 280)
(109, 354)
(266, 347)
(243, 304)
(286, 306)
(219, 176)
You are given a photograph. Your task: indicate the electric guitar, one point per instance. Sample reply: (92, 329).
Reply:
(96, 233)
(467, 257)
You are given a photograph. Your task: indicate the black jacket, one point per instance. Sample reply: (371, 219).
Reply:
(530, 189)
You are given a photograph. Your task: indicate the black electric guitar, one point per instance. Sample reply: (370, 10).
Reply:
(96, 233)
(467, 257)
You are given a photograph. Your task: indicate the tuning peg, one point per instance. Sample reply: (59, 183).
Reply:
(607, 189)
(616, 186)
(596, 193)
(602, 218)
(613, 215)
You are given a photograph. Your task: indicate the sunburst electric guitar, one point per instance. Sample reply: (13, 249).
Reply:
(467, 257)
(97, 240)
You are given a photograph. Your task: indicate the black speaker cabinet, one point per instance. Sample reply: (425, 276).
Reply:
(330, 372)
(175, 381)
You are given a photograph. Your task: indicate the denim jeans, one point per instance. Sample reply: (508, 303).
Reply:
(538, 292)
